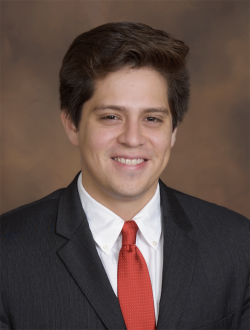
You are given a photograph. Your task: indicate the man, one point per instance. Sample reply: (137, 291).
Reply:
(117, 248)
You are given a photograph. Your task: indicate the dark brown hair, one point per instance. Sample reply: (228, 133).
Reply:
(113, 46)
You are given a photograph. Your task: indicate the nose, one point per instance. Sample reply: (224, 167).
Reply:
(131, 135)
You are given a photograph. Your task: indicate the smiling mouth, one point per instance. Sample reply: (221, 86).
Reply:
(127, 161)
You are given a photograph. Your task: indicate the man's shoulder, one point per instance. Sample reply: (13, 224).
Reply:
(208, 209)
(202, 213)
(213, 227)
(202, 204)
(44, 207)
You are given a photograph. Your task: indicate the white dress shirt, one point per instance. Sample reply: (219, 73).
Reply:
(106, 228)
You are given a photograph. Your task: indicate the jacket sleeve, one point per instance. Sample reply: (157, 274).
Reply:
(245, 315)
(4, 322)
(245, 312)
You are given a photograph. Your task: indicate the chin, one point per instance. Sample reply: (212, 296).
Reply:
(128, 190)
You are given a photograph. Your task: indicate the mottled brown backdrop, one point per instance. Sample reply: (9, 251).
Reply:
(211, 157)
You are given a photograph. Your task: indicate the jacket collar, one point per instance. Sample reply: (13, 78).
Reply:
(179, 257)
(70, 213)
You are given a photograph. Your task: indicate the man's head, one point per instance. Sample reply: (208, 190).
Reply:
(124, 89)
(114, 46)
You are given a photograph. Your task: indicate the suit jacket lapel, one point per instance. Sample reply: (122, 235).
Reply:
(80, 257)
(179, 255)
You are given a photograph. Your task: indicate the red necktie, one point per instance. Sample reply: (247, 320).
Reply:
(134, 286)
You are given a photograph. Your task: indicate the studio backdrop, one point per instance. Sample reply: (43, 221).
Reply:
(210, 159)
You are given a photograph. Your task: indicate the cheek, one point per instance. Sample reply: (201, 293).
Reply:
(97, 140)
(161, 143)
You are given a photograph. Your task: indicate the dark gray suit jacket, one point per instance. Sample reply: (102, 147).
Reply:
(52, 276)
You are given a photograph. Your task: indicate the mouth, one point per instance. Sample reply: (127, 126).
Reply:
(128, 161)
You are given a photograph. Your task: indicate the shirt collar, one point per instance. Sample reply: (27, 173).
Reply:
(106, 226)
(149, 220)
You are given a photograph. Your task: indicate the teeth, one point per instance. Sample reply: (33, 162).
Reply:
(129, 161)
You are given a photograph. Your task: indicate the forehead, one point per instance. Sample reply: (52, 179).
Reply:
(144, 86)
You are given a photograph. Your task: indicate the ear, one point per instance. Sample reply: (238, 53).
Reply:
(70, 129)
(173, 137)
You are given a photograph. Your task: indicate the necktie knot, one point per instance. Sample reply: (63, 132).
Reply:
(129, 232)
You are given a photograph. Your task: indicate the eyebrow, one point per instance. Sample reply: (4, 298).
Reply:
(123, 109)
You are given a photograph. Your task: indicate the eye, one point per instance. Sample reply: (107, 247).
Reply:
(110, 117)
(153, 119)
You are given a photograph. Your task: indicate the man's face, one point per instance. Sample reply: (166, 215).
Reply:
(125, 135)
